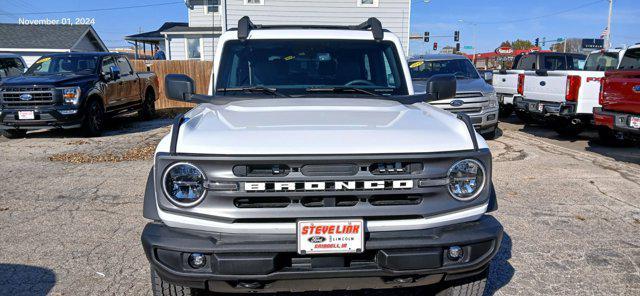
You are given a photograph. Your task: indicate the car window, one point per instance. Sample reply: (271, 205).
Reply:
(107, 63)
(295, 66)
(527, 62)
(575, 62)
(461, 68)
(552, 63)
(10, 67)
(602, 61)
(124, 66)
(631, 60)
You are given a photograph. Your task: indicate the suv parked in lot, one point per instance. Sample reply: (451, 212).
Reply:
(474, 96)
(74, 90)
(508, 83)
(619, 116)
(566, 98)
(310, 166)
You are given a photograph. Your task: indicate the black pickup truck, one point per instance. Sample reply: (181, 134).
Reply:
(74, 90)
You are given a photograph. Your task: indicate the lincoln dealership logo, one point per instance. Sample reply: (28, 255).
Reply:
(636, 88)
(457, 103)
(328, 186)
(26, 97)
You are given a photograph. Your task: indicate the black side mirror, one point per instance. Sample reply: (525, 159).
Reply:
(441, 87)
(180, 87)
(114, 72)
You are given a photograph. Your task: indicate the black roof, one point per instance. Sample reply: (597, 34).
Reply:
(156, 35)
(41, 36)
(186, 28)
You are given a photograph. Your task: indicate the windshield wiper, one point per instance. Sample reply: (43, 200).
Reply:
(262, 89)
(341, 89)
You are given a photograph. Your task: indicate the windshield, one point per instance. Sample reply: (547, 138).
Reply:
(601, 61)
(299, 67)
(461, 68)
(64, 65)
(10, 67)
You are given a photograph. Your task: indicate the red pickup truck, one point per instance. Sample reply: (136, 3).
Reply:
(619, 116)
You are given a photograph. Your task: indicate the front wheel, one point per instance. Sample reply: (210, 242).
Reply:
(505, 111)
(148, 109)
(93, 123)
(472, 286)
(14, 133)
(161, 288)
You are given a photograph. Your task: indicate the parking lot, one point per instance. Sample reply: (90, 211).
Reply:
(71, 213)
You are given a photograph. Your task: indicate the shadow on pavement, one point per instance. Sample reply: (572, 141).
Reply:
(25, 280)
(501, 271)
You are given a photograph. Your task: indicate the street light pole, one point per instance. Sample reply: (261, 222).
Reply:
(607, 40)
(474, 39)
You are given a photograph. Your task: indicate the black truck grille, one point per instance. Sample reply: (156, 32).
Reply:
(15, 97)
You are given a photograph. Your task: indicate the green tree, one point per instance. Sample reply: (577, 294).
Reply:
(505, 44)
(521, 44)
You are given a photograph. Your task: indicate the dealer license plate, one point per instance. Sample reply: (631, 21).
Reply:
(634, 122)
(330, 236)
(26, 115)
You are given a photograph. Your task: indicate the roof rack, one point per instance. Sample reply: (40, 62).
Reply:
(245, 26)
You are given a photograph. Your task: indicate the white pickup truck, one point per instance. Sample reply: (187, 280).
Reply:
(507, 82)
(566, 98)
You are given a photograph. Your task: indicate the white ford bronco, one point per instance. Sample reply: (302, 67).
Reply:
(311, 165)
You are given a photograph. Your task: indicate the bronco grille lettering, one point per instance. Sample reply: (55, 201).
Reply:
(328, 186)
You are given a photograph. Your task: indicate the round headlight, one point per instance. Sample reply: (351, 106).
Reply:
(184, 184)
(466, 179)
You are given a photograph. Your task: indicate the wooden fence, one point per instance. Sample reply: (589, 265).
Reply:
(200, 71)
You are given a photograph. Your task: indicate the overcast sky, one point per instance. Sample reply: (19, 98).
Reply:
(497, 20)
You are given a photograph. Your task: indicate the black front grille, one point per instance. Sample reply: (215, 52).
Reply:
(468, 95)
(39, 96)
(465, 110)
(327, 201)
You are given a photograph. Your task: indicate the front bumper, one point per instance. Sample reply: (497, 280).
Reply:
(51, 117)
(616, 121)
(270, 263)
(484, 121)
(545, 109)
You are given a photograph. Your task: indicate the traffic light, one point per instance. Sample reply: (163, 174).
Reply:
(457, 47)
(456, 36)
(435, 46)
(426, 36)
(537, 42)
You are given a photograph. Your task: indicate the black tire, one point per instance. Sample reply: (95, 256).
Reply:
(525, 117)
(93, 123)
(159, 287)
(608, 138)
(490, 135)
(148, 109)
(505, 111)
(14, 133)
(472, 286)
(567, 127)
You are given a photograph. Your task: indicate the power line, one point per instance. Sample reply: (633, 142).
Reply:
(96, 9)
(541, 16)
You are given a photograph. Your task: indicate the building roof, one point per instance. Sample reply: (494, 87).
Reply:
(188, 30)
(55, 37)
(157, 34)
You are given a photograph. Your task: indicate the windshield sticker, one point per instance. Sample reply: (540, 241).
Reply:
(416, 64)
(40, 61)
(288, 58)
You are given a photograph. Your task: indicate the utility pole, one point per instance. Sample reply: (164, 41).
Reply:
(607, 38)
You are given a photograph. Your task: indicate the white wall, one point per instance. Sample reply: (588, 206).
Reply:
(177, 49)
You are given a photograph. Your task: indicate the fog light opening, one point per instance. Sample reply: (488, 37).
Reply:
(197, 260)
(405, 280)
(249, 285)
(455, 253)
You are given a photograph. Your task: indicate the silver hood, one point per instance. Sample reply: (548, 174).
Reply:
(312, 126)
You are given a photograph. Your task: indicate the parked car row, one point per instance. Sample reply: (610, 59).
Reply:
(72, 90)
(571, 93)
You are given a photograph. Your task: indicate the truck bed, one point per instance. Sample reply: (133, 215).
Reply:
(506, 82)
(551, 86)
(621, 91)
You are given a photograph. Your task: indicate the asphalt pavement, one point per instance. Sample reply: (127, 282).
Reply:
(71, 213)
